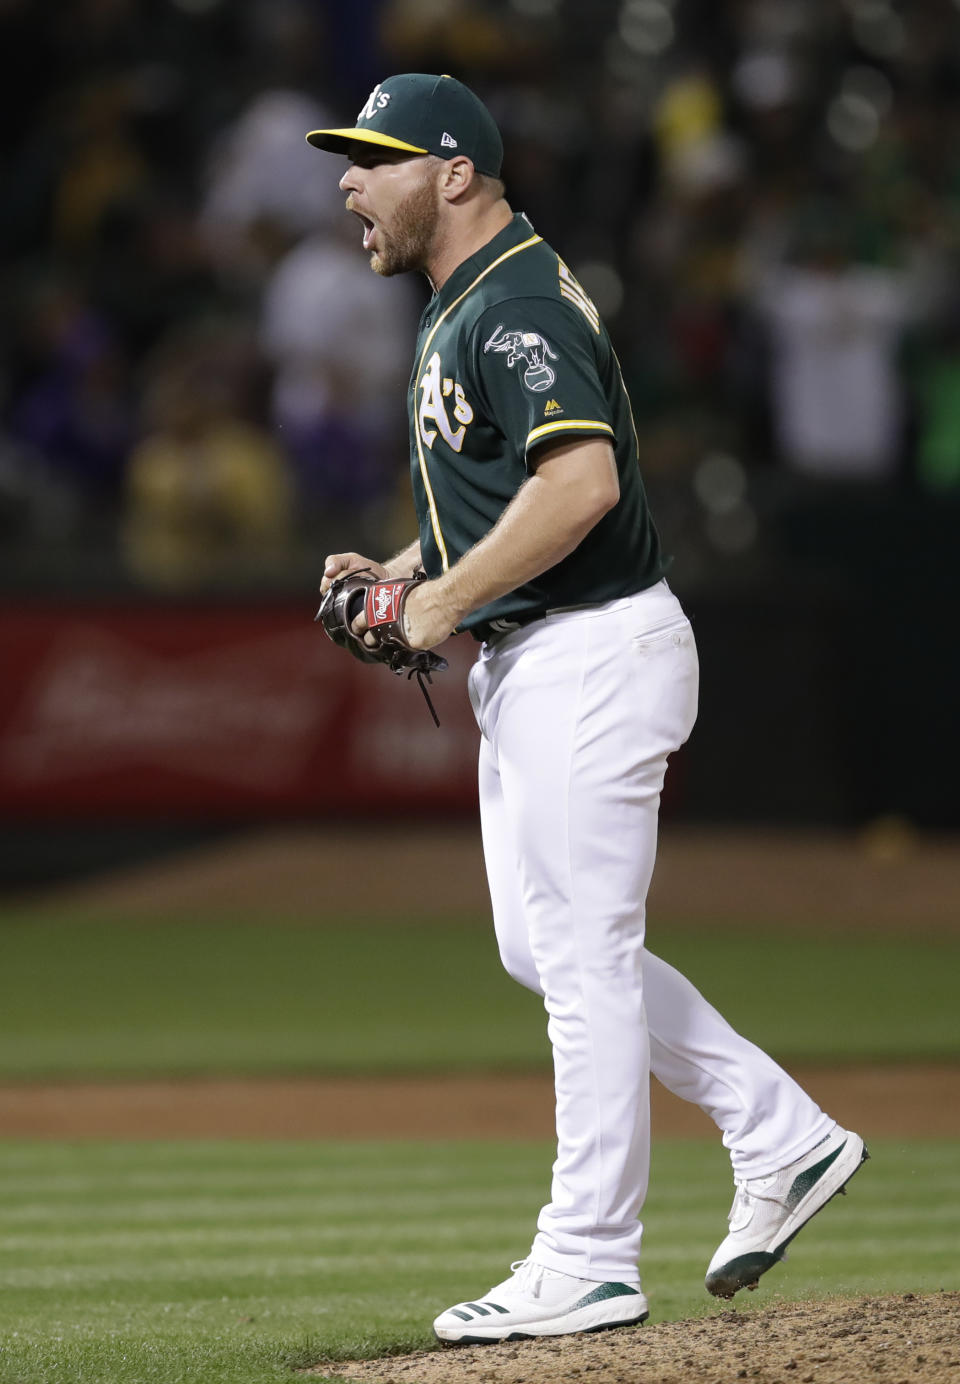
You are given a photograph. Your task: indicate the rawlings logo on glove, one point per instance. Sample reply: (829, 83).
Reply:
(382, 603)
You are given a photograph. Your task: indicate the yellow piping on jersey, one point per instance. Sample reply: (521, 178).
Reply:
(564, 425)
(633, 421)
(434, 517)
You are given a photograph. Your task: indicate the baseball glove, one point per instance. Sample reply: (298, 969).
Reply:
(382, 601)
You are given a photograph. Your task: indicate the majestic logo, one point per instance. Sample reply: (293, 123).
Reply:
(434, 390)
(376, 101)
(551, 407)
(448, 141)
(532, 349)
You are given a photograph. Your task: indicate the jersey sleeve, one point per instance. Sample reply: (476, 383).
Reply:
(537, 373)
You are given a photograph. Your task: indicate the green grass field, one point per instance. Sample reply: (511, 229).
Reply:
(209, 1263)
(227, 1263)
(80, 997)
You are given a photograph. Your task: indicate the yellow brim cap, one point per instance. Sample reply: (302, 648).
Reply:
(339, 141)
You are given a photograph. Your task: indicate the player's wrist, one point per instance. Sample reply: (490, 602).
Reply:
(428, 617)
(447, 599)
(403, 565)
(395, 571)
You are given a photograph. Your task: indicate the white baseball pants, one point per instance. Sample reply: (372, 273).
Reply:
(578, 713)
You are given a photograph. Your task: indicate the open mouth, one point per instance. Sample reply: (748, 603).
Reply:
(369, 227)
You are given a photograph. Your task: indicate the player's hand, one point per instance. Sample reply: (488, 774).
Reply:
(426, 621)
(341, 564)
(427, 617)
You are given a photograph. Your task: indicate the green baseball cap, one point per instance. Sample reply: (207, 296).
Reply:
(423, 114)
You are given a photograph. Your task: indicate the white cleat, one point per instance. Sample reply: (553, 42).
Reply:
(536, 1301)
(768, 1212)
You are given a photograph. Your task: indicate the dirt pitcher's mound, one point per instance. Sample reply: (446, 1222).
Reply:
(913, 1102)
(891, 1340)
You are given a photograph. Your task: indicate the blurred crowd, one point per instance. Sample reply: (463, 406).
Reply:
(202, 384)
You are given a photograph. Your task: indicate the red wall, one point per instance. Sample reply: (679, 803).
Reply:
(217, 712)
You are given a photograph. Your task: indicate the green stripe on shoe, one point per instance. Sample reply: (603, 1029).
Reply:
(604, 1291)
(806, 1181)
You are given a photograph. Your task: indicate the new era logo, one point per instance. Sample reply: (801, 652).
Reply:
(448, 141)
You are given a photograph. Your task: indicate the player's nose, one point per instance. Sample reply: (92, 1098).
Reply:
(350, 182)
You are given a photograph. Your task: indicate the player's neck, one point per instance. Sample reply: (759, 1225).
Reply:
(465, 239)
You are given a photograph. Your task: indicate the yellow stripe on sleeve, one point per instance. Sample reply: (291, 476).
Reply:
(568, 425)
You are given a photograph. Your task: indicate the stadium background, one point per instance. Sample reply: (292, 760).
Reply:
(201, 383)
(207, 813)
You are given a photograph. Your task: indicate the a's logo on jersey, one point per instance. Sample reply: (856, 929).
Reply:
(375, 102)
(434, 389)
(551, 408)
(532, 349)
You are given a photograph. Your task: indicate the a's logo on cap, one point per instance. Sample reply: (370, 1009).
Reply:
(447, 142)
(376, 101)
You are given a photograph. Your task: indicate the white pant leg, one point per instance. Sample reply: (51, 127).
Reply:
(765, 1117)
(767, 1120)
(579, 715)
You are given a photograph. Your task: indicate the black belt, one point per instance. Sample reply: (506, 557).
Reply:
(492, 630)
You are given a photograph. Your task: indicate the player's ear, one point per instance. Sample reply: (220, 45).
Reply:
(457, 177)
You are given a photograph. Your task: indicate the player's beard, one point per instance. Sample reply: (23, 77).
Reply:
(412, 232)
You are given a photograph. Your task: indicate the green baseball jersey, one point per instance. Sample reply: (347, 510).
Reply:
(512, 355)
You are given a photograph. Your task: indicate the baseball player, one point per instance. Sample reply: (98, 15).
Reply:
(536, 540)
